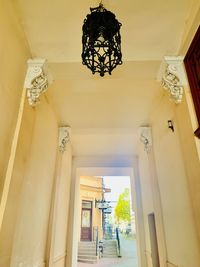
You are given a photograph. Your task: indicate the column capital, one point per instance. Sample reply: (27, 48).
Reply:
(146, 137)
(64, 137)
(36, 80)
(174, 78)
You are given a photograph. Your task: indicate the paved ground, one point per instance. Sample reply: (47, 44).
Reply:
(128, 259)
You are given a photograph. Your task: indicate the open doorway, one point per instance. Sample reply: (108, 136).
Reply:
(107, 222)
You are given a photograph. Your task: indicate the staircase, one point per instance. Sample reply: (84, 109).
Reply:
(87, 252)
(110, 249)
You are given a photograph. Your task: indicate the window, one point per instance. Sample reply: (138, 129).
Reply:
(86, 204)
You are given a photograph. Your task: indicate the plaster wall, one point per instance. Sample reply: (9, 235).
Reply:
(187, 124)
(11, 211)
(13, 56)
(147, 200)
(62, 209)
(179, 226)
(29, 245)
(191, 159)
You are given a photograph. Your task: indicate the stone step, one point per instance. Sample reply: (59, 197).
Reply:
(110, 256)
(87, 261)
(87, 243)
(82, 247)
(113, 248)
(110, 251)
(87, 258)
(91, 257)
(87, 252)
(87, 246)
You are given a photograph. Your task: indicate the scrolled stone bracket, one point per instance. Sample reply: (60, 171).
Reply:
(146, 137)
(174, 78)
(64, 137)
(36, 81)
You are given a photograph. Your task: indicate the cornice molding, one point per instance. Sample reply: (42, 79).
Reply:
(64, 137)
(146, 137)
(174, 78)
(36, 81)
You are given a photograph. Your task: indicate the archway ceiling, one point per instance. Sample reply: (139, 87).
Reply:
(105, 113)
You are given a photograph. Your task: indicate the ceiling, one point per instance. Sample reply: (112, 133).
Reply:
(150, 29)
(104, 113)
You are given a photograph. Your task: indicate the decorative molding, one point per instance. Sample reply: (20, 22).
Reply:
(60, 257)
(36, 81)
(146, 137)
(174, 77)
(170, 264)
(64, 137)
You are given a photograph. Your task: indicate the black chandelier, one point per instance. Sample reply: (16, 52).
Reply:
(101, 41)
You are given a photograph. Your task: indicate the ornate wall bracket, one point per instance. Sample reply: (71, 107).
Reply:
(174, 78)
(146, 137)
(36, 81)
(64, 137)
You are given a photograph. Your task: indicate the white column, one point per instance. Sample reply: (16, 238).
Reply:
(35, 83)
(63, 149)
(11, 160)
(139, 217)
(146, 139)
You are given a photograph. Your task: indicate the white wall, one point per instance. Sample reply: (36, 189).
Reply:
(11, 210)
(13, 57)
(14, 53)
(60, 234)
(29, 245)
(179, 226)
(147, 200)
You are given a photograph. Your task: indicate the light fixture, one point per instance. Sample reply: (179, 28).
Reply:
(101, 41)
(170, 125)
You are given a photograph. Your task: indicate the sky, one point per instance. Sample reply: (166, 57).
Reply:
(117, 184)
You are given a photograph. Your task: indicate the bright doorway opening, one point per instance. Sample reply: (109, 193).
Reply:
(107, 222)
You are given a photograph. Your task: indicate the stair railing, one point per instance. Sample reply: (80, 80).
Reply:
(96, 238)
(118, 242)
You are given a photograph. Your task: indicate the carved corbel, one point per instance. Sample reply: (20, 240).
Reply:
(36, 81)
(173, 79)
(146, 137)
(64, 137)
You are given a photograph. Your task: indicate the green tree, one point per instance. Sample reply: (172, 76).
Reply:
(122, 209)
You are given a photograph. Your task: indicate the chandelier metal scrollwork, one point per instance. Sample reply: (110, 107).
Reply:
(101, 41)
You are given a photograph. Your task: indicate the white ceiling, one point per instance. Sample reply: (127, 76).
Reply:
(150, 29)
(104, 113)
